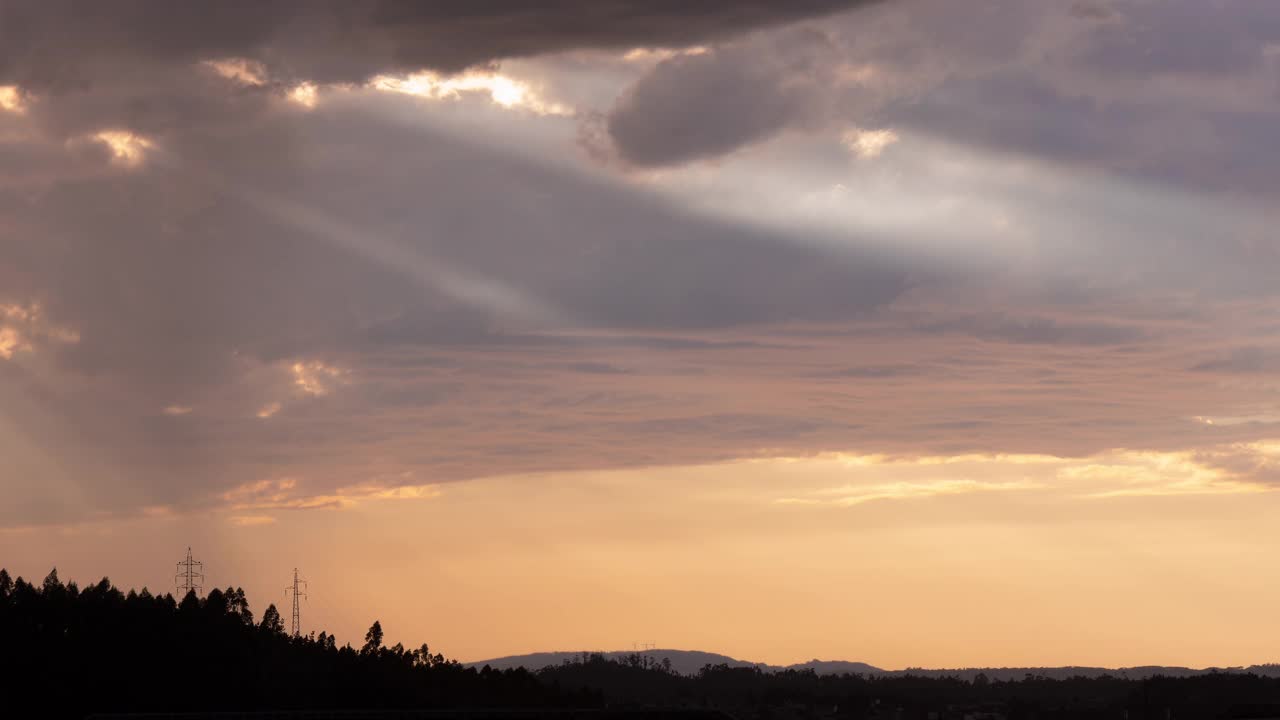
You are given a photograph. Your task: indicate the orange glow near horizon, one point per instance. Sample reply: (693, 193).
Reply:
(936, 562)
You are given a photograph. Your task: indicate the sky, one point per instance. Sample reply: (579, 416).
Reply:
(912, 332)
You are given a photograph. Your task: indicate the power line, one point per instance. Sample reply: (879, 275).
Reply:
(298, 591)
(189, 577)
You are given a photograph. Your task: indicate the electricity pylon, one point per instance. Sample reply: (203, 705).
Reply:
(298, 591)
(189, 577)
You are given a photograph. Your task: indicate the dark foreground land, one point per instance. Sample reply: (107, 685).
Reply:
(428, 715)
(70, 652)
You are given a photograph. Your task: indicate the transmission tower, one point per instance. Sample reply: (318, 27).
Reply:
(189, 577)
(298, 590)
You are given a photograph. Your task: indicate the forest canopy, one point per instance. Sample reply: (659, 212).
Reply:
(72, 651)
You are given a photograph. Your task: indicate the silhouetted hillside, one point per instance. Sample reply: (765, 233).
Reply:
(70, 651)
(835, 667)
(66, 652)
(689, 662)
(684, 662)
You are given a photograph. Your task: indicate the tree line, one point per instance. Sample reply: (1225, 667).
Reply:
(70, 651)
(67, 651)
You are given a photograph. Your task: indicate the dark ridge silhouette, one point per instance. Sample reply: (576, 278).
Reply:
(689, 662)
(67, 652)
(548, 714)
(683, 662)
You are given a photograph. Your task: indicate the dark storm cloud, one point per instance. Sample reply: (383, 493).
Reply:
(708, 104)
(1179, 92)
(742, 92)
(63, 44)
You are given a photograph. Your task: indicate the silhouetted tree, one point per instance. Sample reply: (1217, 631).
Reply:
(372, 639)
(271, 621)
(238, 604)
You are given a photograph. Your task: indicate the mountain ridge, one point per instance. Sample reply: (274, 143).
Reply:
(689, 662)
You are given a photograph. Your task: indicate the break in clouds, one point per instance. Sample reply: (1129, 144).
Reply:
(283, 255)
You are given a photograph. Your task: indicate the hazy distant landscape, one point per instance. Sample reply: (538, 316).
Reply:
(689, 662)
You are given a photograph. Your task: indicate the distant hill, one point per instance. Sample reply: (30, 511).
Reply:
(685, 662)
(689, 662)
(837, 667)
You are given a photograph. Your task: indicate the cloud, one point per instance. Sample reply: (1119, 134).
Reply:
(125, 147)
(58, 44)
(1037, 330)
(1145, 90)
(868, 143)
(504, 91)
(24, 327)
(11, 99)
(315, 377)
(1245, 360)
(1223, 470)
(691, 107)
(850, 495)
(369, 283)
(251, 520)
(239, 301)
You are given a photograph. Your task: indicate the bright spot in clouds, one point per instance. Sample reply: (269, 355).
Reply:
(868, 143)
(11, 99)
(314, 378)
(177, 410)
(21, 324)
(505, 91)
(126, 147)
(268, 410)
(653, 55)
(11, 342)
(246, 72)
(304, 95)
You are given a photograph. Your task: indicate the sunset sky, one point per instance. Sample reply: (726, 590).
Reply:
(912, 332)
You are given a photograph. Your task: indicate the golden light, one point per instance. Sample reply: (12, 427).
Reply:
(23, 325)
(869, 143)
(11, 99)
(11, 342)
(304, 95)
(654, 55)
(245, 72)
(251, 520)
(503, 91)
(126, 147)
(315, 377)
